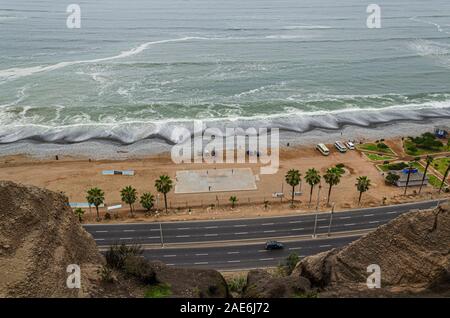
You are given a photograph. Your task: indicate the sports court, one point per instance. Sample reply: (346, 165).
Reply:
(215, 180)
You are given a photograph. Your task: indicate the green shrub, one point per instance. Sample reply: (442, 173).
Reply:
(382, 146)
(397, 166)
(107, 216)
(158, 291)
(117, 254)
(236, 284)
(392, 178)
(290, 262)
(105, 274)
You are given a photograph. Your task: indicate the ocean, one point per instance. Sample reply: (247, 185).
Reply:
(137, 70)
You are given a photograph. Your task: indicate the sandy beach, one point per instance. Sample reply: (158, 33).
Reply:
(74, 176)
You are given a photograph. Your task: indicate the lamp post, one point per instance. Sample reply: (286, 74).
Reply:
(331, 220)
(317, 211)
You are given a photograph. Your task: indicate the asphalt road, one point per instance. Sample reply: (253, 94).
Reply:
(228, 244)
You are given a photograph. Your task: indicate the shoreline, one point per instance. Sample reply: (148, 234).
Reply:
(111, 150)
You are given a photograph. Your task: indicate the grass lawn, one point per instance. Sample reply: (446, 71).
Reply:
(158, 291)
(376, 157)
(373, 147)
(441, 164)
(419, 151)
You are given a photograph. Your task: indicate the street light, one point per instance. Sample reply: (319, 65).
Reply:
(317, 211)
(331, 220)
(161, 234)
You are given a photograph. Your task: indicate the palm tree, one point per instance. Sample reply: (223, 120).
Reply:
(293, 178)
(129, 196)
(429, 161)
(362, 184)
(79, 213)
(147, 201)
(163, 185)
(410, 169)
(332, 177)
(95, 197)
(233, 201)
(445, 177)
(312, 176)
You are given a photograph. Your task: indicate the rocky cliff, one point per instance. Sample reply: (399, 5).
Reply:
(40, 236)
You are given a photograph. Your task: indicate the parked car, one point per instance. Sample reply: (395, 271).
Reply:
(340, 146)
(350, 145)
(323, 149)
(274, 245)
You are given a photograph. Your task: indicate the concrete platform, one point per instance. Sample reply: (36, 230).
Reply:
(215, 180)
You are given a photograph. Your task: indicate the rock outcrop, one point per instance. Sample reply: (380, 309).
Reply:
(261, 284)
(413, 251)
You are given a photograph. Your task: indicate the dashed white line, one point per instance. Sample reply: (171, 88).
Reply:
(240, 225)
(293, 222)
(349, 224)
(326, 245)
(294, 248)
(183, 228)
(202, 254)
(262, 251)
(323, 227)
(201, 263)
(368, 215)
(266, 224)
(371, 222)
(270, 231)
(183, 236)
(129, 230)
(211, 227)
(319, 220)
(125, 238)
(241, 233)
(345, 217)
(101, 231)
(235, 261)
(99, 239)
(233, 253)
(153, 237)
(169, 255)
(211, 234)
(299, 229)
(392, 212)
(266, 259)
(154, 230)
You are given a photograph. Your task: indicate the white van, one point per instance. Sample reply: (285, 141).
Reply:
(323, 149)
(350, 145)
(340, 146)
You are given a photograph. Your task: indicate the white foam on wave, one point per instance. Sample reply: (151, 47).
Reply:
(132, 131)
(14, 73)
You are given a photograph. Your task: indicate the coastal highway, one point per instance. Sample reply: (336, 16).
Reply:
(239, 243)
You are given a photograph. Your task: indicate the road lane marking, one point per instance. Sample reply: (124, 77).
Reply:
(367, 215)
(270, 231)
(262, 251)
(392, 212)
(211, 227)
(99, 239)
(326, 245)
(293, 222)
(182, 236)
(170, 264)
(169, 255)
(240, 225)
(294, 248)
(299, 229)
(101, 231)
(183, 228)
(202, 254)
(266, 259)
(319, 220)
(211, 234)
(154, 229)
(153, 237)
(129, 230)
(201, 263)
(345, 217)
(241, 233)
(349, 224)
(266, 224)
(125, 238)
(371, 222)
(323, 227)
(235, 261)
(232, 253)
